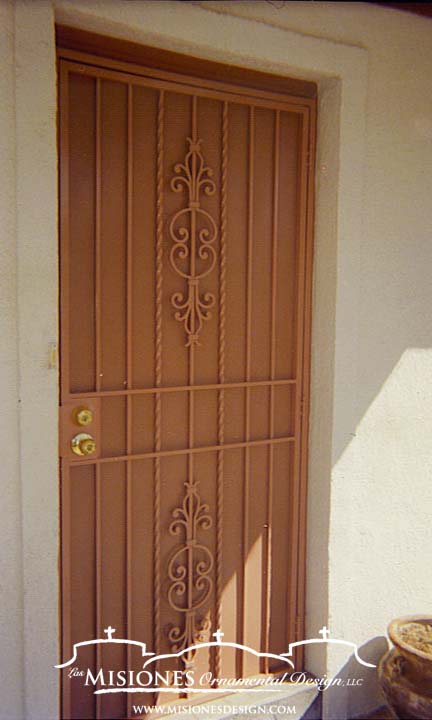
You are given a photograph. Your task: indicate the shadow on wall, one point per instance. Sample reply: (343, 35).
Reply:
(357, 700)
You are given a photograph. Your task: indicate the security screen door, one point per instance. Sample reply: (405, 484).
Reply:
(185, 279)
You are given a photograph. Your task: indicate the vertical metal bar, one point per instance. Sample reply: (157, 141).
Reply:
(66, 635)
(221, 377)
(129, 377)
(275, 230)
(66, 620)
(64, 234)
(301, 584)
(248, 368)
(158, 368)
(98, 495)
(98, 159)
(192, 346)
(268, 548)
(192, 272)
(292, 611)
(129, 240)
(191, 414)
(194, 118)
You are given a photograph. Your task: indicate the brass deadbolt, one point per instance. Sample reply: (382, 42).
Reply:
(83, 444)
(83, 416)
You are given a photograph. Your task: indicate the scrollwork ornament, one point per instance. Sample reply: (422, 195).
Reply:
(193, 232)
(189, 572)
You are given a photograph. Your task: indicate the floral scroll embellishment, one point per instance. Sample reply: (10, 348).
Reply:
(193, 232)
(189, 572)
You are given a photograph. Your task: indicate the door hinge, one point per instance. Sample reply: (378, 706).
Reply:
(53, 356)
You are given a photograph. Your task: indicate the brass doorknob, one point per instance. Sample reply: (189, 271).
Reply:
(83, 444)
(83, 416)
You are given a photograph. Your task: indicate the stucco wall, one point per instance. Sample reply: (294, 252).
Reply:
(370, 492)
(11, 600)
(37, 245)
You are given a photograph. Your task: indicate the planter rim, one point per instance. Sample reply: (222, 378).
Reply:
(393, 631)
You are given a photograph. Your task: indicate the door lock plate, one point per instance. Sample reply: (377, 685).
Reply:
(75, 445)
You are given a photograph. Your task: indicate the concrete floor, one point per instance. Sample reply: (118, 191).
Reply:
(382, 713)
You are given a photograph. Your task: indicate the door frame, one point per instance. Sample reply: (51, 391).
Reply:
(341, 73)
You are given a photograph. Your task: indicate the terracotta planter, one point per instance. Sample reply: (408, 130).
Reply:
(405, 672)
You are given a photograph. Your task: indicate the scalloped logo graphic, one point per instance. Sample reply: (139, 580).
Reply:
(149, 679)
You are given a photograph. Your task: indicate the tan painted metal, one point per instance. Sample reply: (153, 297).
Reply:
(186, 214)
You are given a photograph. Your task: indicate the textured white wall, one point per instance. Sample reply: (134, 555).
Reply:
(370, 502)
(38, 326)
(11, 599)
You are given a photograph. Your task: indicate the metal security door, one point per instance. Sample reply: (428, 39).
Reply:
(185, 278)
